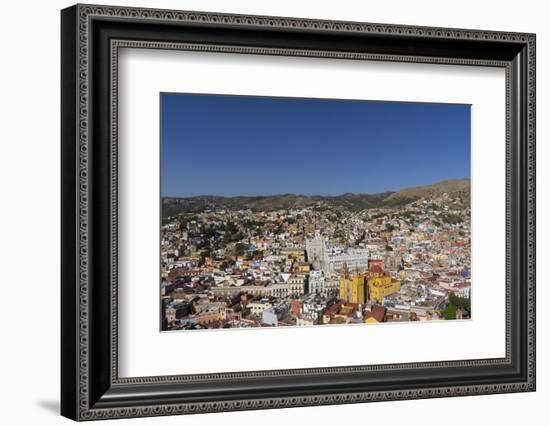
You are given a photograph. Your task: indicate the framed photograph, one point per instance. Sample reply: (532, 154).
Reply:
(264, 212)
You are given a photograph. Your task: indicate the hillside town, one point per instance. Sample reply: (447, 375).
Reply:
(317, 264)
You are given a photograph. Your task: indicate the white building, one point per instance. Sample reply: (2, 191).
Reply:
(256, 308)
(331, 259)
(273, 315)
(307, 319)
(462, 290)
(355, 259)
(316, 251)
(332, 286)
(297, 284)
(316, 282)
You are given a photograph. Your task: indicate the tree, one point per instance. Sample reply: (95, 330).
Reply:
(455, 303)
(279, 230)
(460, 302)
(449, 313)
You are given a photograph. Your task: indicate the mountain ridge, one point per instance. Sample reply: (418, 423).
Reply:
(172, 206)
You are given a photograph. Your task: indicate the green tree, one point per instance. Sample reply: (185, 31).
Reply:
(449, 313)
(460, 302)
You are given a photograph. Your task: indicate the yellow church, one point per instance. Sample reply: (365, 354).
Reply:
(380, 283)
(373, 286)
(352, 289)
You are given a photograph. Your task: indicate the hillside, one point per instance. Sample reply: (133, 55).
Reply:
(172, 206)
(412, 194)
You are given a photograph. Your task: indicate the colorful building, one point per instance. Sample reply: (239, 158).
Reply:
(301, 267)
(380, 283)
(376, 315)
(352, 289)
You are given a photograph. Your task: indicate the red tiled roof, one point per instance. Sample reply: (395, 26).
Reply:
(378, 313)
(375, 268)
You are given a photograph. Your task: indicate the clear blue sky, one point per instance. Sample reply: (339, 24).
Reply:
(241, 145)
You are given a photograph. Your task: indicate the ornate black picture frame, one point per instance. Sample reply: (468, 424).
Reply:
(90, 38)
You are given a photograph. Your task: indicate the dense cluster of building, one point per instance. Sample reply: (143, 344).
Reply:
(316, 265)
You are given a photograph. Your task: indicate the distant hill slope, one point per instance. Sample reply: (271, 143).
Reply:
(355, 202)
(412, 194)
(172, 206)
